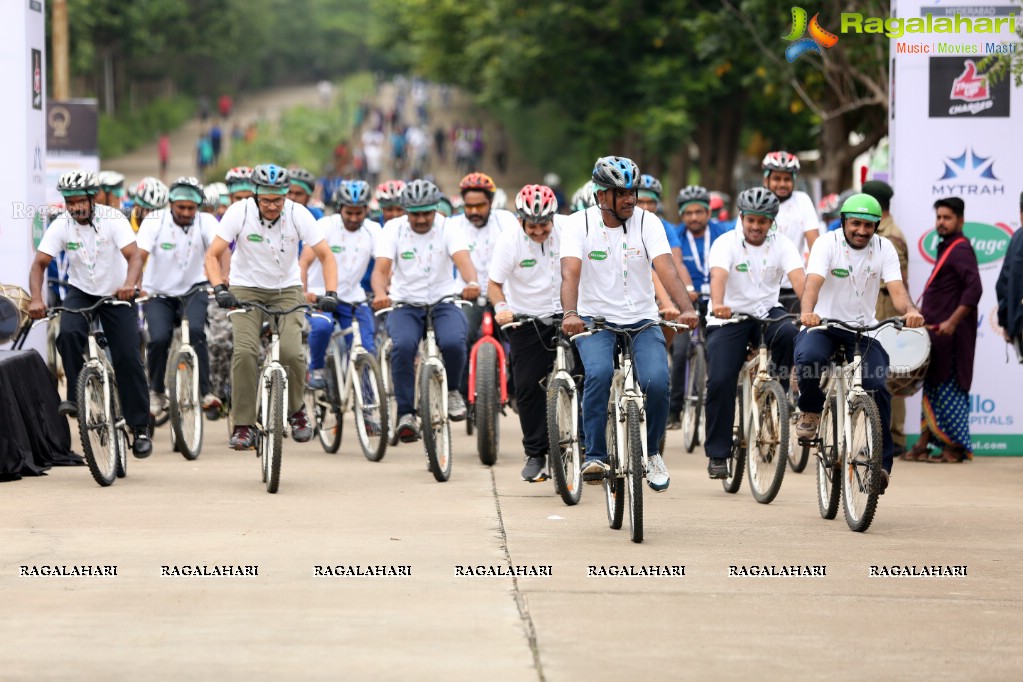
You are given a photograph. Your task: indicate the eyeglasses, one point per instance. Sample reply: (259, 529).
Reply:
(266, 202)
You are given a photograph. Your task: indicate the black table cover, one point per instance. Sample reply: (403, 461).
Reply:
(33, 437)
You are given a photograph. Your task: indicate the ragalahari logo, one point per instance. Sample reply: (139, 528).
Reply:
(969, 87)
(818, 36)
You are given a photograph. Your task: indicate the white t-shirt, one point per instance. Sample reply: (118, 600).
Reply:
(615, 281)
(352, 251)
(796, 216)
(753, 271)
(176, 259)
(95, 263)
(421, 263)
(482, 240)
(266, 256)
(852, 278)
(530, 273)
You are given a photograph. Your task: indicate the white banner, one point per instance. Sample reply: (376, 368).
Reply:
(23, 139)
(954, 132)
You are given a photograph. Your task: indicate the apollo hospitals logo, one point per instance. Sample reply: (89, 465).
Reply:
(819, 37)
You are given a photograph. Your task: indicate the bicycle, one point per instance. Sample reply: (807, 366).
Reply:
(849, 437)
(693, 423)
(355, 382)
(185, 411)
(384, 346)
(488, 390)
(625, 431)
(760, 434)
(271, 396)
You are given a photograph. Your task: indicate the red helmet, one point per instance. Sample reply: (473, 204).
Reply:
(480, 182)
(780, 161)
(388, 193)
(536, 203)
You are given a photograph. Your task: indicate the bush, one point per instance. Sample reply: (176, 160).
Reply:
(126, 130)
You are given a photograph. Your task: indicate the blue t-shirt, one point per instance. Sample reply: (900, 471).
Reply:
(697, 264)
(672, 233)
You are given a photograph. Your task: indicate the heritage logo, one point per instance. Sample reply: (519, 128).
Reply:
(167, 246)
(528, 263)
(742, 267)
(408, 255)
(254, 238)
(990, 242)
(597, 255)
(337, 249)
(840, 272)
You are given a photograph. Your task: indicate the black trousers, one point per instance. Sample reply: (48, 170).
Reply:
(163, 316)
(726, 352)
(532, 359)
(121, 328)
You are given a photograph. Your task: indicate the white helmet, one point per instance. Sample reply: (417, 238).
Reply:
(151, 194)
(109, 179)
(500, 199)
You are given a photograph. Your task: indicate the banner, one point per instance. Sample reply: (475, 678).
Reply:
(72, 141)
(955, 133)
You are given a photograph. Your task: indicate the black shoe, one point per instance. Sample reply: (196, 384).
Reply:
(898, 451)
(68, 408)
(718, 467)
(535, 469)
(142, 446)
(883, 482)
(674, 422)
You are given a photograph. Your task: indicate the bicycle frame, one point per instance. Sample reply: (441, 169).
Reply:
(625, 389)
(347, 369)
(488, 338)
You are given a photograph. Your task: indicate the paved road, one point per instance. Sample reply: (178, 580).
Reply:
(287, 623)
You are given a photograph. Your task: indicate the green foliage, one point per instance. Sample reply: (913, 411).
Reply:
(130, 129)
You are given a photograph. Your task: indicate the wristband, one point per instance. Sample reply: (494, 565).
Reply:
(569, 313)
(691, 289)
(501, 307)
(472, 284)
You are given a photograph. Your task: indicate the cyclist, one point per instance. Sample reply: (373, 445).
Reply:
(103, 261)
(174, 243)
(301, 190)
(844, 276)
(216, 199)
(606, 254)
(388, 195)
(266, 229)
(525, 278)
(583, 198)
(745, 271)
(414, 258)
(111, 189)
(650, 191)
(150, 195)
(239, 183)
(352, 238)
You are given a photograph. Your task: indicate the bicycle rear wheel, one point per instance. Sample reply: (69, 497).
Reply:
(799, 454)
(767, 444)
(861, 464)
(186, 407)
(488, 408)
(563, 452)
(369, 406)
(120, 433)
(329, 428)
(737, 457)
(96, 426)
(829, 489)
(692, 412)
(614, 487)
(384, 360)
(436, 428)
(274, 433)
(635, 434)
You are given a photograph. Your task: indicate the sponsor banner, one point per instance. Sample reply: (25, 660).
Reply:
(72, 126)
(953, 134)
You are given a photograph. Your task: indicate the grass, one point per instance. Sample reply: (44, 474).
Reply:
(126, 130)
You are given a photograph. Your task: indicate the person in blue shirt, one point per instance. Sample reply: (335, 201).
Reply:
(650, 191)
(300, 189)
(696, 234)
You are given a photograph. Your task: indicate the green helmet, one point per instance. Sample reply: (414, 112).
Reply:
(861, 206)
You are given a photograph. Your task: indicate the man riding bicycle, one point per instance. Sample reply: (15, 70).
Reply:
(606, 254)
(745, 271)
(266, 229)
(414, 258)
(844, 276)
(103, 261)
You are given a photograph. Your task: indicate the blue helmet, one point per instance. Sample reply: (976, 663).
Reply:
(269, 178)
(351, 193)
(616, 172)
(651, 184)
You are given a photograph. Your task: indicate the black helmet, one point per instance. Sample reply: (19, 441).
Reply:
(420, 196)
(693, 193)
(302, 177)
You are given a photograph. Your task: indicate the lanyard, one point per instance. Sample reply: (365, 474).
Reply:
(699, 258)
(424, 261)
(266, 238)
(89, 263)
(189, 234)
(480, 256)
(624, 270)
(758, 277)
(349, 242)
(859, 289)
(546, 249)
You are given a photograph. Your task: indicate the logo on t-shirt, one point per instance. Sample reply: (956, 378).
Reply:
(337, 249)
(73, 246)
(167, 246)
(528, 263)
(742, 267)
(598, 255)
(253, 237)
(840, 272)
(408, 255)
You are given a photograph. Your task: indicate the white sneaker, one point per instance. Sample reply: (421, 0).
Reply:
(657, 474)
(210, 401)
(157, 404)
(456, 406)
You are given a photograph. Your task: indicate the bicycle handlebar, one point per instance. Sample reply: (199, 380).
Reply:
(106, 300)
(188, 294)
(425, 306)
(742, 317)
(246, 306)
(521, 320)
(896, 322)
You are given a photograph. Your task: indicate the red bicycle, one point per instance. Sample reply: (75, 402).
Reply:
(488, 390)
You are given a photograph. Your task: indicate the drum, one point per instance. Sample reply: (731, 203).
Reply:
(909, 354)
(13, 310)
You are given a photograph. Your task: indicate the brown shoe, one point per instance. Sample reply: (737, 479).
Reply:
(806, 427)
(950, 453)
(917, 453)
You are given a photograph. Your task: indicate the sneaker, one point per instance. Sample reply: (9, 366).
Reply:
(717, 467)
(142, 446)
(657, 474)
(372, 423)
(315, 380)
(408, 428)
(158, 403)
(68, 408)
(883, 482)
(806, 426)
(211, 402)
(674, 422)
(243, 438)
(300, 429)
(456, 406)
(535, 470)
(594, 470)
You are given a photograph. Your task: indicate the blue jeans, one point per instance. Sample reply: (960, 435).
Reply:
(650, 360)
(406, 327)
(320, 331)
(814, 351)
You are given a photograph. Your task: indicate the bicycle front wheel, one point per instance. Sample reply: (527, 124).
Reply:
(829, 489)
(861, 464)
(185, 406)
(766, 448)
(274, 433)
(436, 429)
(488, 407)
(96, 426)
(635, 434)
(692, 411)
(737, 457)
(369, 407)
(564, 449)
(391, 423)
(328, 408)
(614, 487)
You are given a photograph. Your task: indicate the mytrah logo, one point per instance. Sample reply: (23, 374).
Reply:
(818, 36)
(895, 27)
(968, 175)
(990, 242)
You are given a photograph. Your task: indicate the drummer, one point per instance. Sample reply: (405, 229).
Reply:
(844, 275)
